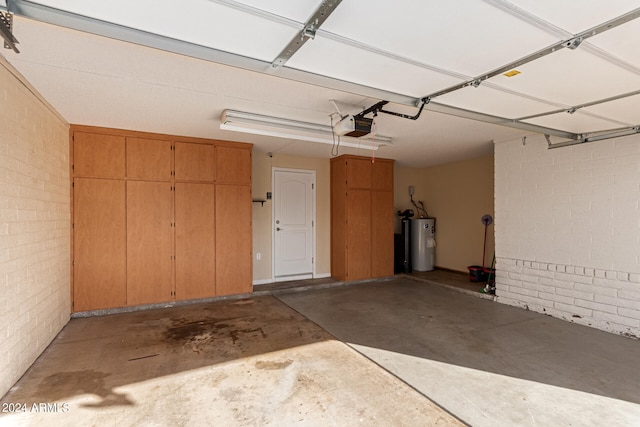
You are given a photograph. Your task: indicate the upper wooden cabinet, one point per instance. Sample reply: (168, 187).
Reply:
(149, 159)
(382, 176)
(358, 172)
(98, 155)
(195, 162)
(233, 165)
(363, 173)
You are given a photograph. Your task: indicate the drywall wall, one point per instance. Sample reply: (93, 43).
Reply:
(458, 195)
(35, 229)
(568, 230)
(262, 215)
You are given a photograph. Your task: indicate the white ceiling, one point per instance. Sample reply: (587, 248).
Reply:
(368, 51)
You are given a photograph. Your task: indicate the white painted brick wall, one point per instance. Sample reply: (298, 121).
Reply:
(567, 225)
(34, 227)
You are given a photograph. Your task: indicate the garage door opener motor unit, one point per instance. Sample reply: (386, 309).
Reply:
(355, 126)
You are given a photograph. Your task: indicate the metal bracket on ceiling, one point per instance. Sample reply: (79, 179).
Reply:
(308, 32)
(600, 136)
(6, 27)
(574, 43)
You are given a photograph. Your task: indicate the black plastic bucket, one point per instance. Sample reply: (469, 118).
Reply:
(490, 275)
(477, 273)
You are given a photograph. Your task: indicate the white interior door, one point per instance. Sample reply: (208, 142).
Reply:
(293, 222)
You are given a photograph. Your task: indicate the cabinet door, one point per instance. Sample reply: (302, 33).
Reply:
(358, 234)
(195, 241)
(149, 242)
(195, 162)
(233, 165)
(358, 173)
(99, 244)
(97, 155)
(382, 176)
(233, 239)
(381, 233)
(149, 159)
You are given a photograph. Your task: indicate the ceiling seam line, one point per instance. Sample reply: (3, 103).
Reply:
(623, 125)
(595, 50)
(497, 120)
(584, 105)
(598, 116)
(497, 87)
(572, 43)
(28, 86)
(523, 15)
(278, 19)
(359, 45)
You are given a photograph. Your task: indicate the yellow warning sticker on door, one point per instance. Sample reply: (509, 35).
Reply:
(511, 73)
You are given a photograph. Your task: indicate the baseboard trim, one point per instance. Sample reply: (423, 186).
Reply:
(451, 270)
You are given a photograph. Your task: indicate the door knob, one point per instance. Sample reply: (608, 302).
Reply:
(278, 228)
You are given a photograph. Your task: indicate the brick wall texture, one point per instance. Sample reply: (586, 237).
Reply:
(34, 227)
(567, 224)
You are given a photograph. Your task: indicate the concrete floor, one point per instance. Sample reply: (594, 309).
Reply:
(487, 363)
(372, 353)
(247, 362)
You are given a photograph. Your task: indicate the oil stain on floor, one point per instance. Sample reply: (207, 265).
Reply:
(244, 362)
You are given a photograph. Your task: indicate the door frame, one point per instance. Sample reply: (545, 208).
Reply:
(311, 172)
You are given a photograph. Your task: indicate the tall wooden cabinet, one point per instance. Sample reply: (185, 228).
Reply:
(361, 218)
(99, 232)
(158, 218)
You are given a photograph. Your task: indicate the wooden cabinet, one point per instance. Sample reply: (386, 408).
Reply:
(158, 218)
(358, 172)
(99, 239)
(382, 233)
(195, 162)
(233, 239)
(233, 165)
(361, 218)
(195, 240)
(98, 155)
(149, 159)
(149, 242)
(358, 234)
(382, 178)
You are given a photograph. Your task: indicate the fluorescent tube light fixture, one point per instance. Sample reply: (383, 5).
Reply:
(259, 124)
